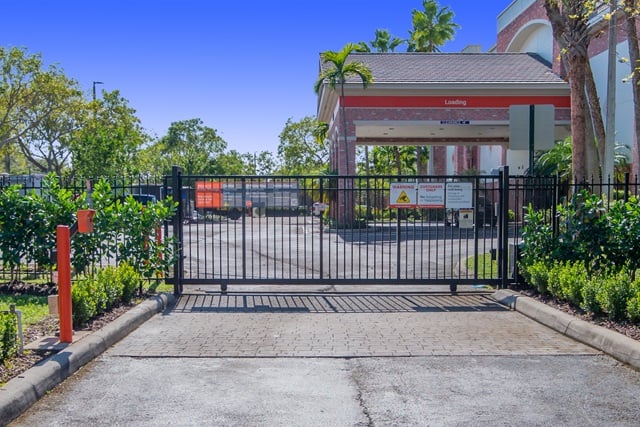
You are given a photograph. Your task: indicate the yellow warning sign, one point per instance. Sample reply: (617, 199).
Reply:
(403, 198)
(403, 195)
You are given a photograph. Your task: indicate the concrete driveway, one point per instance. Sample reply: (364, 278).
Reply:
(264, 358)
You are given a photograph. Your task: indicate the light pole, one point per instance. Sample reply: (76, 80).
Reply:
(94, 88)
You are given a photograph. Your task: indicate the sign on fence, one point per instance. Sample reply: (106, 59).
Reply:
(431, 195)
(403, 195)
(459, 195)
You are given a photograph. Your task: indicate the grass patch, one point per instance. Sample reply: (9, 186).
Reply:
(33, 308)
(159, 287)
(487, 268)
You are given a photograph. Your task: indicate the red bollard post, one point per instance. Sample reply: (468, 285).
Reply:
(63, 239)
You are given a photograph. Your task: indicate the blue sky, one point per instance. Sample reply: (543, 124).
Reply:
(243, 67)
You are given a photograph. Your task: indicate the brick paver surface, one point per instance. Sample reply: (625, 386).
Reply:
(334, 325)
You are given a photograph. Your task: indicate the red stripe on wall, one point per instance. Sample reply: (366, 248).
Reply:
(454, 101)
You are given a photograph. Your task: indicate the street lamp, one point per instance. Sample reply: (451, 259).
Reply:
(94, 88)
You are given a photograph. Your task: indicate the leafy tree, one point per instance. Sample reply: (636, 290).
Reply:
(261, 163)
(432, 27)
(569, 22)
(232, 162)
(302, 148)
(46, 144)
(24, 84)
(336, 74)
(193, 146)
(108, 140)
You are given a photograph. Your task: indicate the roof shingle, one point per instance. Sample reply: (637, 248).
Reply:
(464, 68)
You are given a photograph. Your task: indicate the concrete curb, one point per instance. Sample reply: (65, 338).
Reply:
(616, 345)
(17, 395)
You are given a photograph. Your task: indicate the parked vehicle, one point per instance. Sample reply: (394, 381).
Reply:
(231, 199)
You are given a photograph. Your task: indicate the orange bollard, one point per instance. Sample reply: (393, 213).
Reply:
(63, 239)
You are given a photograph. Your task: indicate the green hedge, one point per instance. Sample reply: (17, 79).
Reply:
(593, 260)
(8, 336)
(123, 228)
(96, 293)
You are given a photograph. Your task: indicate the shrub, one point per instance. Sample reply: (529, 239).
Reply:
(8, 336)
(107, 279)
(553, 283)
(82, 302)
(130, 281)
(589, 295)
(538, 239)
(614, 293)
(633, 304)
(538, 276)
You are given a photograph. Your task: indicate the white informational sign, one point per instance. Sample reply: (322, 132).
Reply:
(459, 195)
(403, 195)
(465, 218)
(431, 195)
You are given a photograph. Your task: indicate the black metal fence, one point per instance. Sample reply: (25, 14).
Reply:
(329, 229)
(141, 187)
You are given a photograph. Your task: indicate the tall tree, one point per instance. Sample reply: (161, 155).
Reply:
(193, 146)
(336, 74)
(432, 27)
(302, 148)
(46, 144)
(109, 138)
(22, 78)
(569, 22)
(383, 42)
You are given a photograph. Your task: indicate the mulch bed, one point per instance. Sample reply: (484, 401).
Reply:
(46, 328)
(631, 330)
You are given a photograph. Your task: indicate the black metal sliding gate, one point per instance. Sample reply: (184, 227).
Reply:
(339, 230)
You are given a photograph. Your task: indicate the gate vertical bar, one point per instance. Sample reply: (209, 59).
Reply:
(244, 227)
(503, 246)
(476, 229)
(398, 235)
(178, 223)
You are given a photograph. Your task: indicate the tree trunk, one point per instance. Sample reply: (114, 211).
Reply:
(396, 153)
(634, 59)
(578, 117)
(595, 111)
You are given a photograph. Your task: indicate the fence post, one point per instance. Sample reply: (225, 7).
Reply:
(503, 248)
(178, 220)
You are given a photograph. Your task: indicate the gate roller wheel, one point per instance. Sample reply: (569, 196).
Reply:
(453, 288)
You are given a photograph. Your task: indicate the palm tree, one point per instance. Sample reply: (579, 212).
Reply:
(336, 74)
(384, 42)
(432, 27)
